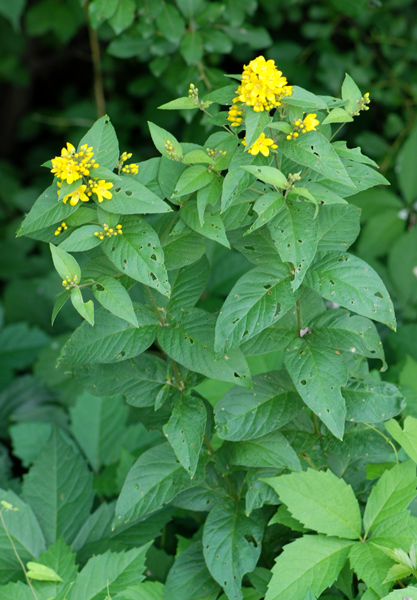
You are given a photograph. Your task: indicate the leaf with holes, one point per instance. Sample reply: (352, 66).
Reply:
(313, 150)
(318, 374)
(190, 342)
(258, 299)
(258, 246)
(372, 401)
(232, 545)
(153, 481)
(111, 339)
(352, 283)
(185, 430)
(295, 235)
(138, 253)
(113, 296)
(188, 285)
(341, 331)
(246, 414)
(339, 226)
(213, 227)
(102, 137)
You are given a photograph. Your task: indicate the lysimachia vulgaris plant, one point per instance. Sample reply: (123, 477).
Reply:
(186, 267)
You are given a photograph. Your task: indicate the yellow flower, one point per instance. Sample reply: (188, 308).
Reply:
(101, 189)
(310, 122)
(132, 169)
(76, 196)
(262, 86)
(72, 165)
(262, 145)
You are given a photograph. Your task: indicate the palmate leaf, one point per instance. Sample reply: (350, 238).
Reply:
(406, 437)
(352, 283)
(138, 253)
(295, 235)
(319, 374)
(371, 565)
(311, 562)
(258, 299)
(153, 481)
(321, 501)
(111, 339)
(247, 414)
(227, 550)
(190, 342)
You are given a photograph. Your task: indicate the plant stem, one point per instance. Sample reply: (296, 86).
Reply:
(299, 322)
(95, 57)
(315, 423)
(156, 309)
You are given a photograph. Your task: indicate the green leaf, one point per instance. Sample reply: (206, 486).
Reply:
(213, 227)
(153, 481)
(100, 11)
(284, 517)
(321, 501)
(305, 99)
(318, 374)
(16, 591)
(82, 239)
(138, 253)
(28, 440)
(267, 206)
(60, 498)
(195, 157)
(268, 175)
(179, 104)
(188, 285)
(208, 195)
(354, 154)
(269, 450)
(124, 16)
(102, 137)
(255, 124)
(228, 553)
(46, 211)
(160, 136)
(392, 494)
(350, 93)
(185, 430)
(371, 565)
(406, 437)
(311, 562)
(339, 226)
(313, 150)
(85, 309)
(61, 560)
(182, 248)
(61, 300)
(12, 11)
(113, 296)
(98, 425)
(235, 182)
(20, 345)
(110, 572)
(41, 573)
(191, 343)
(372, 402)
(148, 590)
(189, 578)
(191, 48)
(407, 177)
(192, 179)
(246, 414)
(24, 530)
(140, 380)
(258, 299)
(111, 339)
(295, 235)
(352, 283)
(65, 264)
(409, 592)
(337, 115)
(170, 23)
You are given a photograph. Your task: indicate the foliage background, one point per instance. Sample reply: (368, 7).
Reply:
(47, 80)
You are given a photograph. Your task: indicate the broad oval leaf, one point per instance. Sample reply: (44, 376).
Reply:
(213, 227)
(268, 175)
(114, 297)
(102, 137)
(82, 239)
(372, 401)
(46, 211)
(65, 264)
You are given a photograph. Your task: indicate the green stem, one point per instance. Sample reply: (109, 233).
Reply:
(299, 322)
(385, 438)
(177, 376)
(95, 57)
(156, 309)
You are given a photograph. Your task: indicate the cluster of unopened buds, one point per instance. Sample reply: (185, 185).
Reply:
(362, 104)
(215, 153)
(68, 282)
(309, 123)
(193, 94)
(61, 228)
(132, 168)
(171, 150)
(108, 231)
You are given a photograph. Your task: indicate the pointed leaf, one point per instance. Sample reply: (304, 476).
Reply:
(65, 264)
(46, 211)
(82, 239)
(160, 136)
(113, 296)
(61, 560)
(213, 227)
(406, 437)
(270, 450)
(188, 285)
(339, 226)
(371, 565)
(102, 137)
(268, 175)
(373, 401)
(85, 309)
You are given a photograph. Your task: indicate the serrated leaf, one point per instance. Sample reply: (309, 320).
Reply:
(406, 437)
(82, 239)
(246, 414)
(185, 430)
(60, 558)
(398, 572)
(392, 494)
(321, 501)
(113, 296)
(372, 402)
(311, 562)
(268, 175)
(228, 553)
(189, 578)
(85, 309)
(179, 104)
(371, 565)
(319, 374)
(102, 137)
(188, 285)
(65, 264)
(295, 235)
(258, 299)
(352, 283)
(160, 136)
(153, 481)
(138, 253)
(213, 227)
(46, 211)
(190, 342)
(60, 498)
(111, 339)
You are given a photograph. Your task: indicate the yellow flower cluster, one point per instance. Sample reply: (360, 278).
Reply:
(68, 282)
(72, 165)
(108, 231)
(263, 86)
(133, 168)
(362, 104)
(62, 227)
(309, 123)
(262, 145)
(235, 115)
